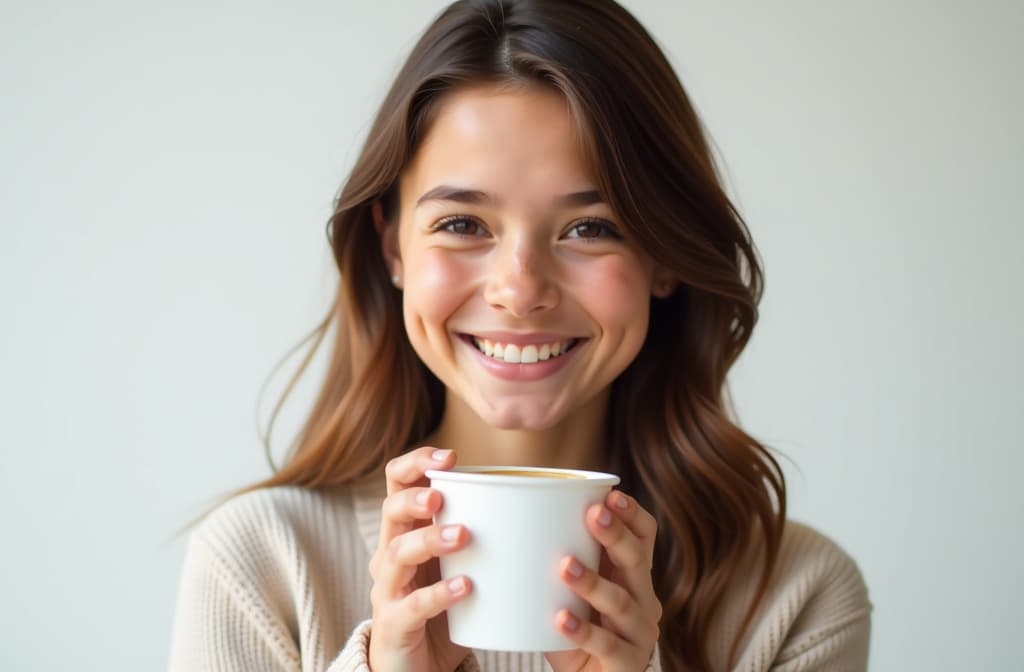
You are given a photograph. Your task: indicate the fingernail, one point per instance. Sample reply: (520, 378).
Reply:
(575, 568)
(570, 622)
(440, 455)
(605, 519)
(621, 502)
(457, 585)
(450, 532)
(422, 497)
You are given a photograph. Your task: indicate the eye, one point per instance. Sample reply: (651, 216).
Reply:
(593, 229)
(461, 225)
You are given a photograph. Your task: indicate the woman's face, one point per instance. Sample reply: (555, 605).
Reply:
(520, 291)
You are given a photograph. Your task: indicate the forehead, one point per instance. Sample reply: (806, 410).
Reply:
(514, 142)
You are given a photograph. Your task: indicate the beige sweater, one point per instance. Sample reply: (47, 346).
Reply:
(278, 579)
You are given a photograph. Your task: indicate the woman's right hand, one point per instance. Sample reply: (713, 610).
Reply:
(410, 629)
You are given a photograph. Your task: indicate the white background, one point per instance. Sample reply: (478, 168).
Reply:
(166, 171)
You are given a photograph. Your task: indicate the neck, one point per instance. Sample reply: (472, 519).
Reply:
(578, 442)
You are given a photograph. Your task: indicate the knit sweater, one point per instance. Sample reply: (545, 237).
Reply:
(278, 579)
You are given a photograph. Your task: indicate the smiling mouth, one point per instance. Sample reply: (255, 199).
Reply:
(510, 353)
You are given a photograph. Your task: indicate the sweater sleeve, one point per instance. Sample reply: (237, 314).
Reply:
(843, 650)
(355, 656)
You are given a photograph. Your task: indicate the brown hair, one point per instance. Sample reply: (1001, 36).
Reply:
(712, 487)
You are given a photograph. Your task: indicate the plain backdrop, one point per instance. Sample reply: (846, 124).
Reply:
(166, 172)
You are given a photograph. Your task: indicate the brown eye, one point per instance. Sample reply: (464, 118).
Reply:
(460, 226)
(592, 229)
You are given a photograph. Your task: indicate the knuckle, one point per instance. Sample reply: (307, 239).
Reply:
(603, 646)
(590, 581)
(393, 550)
(390, 507)
(416, 602)
(392, 468)
(621, 599)
(636, 561)
(617, 532)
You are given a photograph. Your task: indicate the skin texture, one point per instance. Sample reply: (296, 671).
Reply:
(519, 262)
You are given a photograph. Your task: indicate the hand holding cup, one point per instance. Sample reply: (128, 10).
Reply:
(408, 597)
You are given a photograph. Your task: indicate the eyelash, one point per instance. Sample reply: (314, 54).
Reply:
(605, 226)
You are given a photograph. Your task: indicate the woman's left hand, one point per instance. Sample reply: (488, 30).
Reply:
(623, 636)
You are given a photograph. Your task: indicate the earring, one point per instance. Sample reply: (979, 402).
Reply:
(396, 279)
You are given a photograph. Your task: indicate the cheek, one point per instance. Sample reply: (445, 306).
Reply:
(617, 291)
(442, 282)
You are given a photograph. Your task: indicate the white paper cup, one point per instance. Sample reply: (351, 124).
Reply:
(520, 527)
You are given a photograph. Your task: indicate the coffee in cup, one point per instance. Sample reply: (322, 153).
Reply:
(536, 473)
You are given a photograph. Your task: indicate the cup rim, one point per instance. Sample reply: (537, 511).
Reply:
(473, 474)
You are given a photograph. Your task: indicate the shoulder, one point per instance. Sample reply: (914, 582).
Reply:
(817, 602)
(269, 511)
(811, 562)
(276, 527)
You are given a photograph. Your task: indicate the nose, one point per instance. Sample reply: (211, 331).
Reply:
(520, 280)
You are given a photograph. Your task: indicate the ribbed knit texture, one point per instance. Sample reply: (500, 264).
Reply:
(278, 579)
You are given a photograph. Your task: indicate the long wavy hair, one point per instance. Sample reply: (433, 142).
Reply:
(711, 486)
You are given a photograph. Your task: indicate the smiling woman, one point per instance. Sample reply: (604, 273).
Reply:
(538, 266)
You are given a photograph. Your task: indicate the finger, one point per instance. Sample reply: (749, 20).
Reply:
(630, 555)
(406, 471)
(420, 545)
(401, 511)
(623, 613)
(412, 612)
(398, 563)
(612, 651)
(635, 517)
(625, 549)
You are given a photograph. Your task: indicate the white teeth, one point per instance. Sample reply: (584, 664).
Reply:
(511, 353)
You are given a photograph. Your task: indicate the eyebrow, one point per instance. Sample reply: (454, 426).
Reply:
(445, 192)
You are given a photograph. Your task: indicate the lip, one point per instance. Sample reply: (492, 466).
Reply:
(522, 372)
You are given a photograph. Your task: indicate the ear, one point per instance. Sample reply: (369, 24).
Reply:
(664, 283)
(388, 234)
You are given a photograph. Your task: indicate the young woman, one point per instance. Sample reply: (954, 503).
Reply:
(538, 266)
